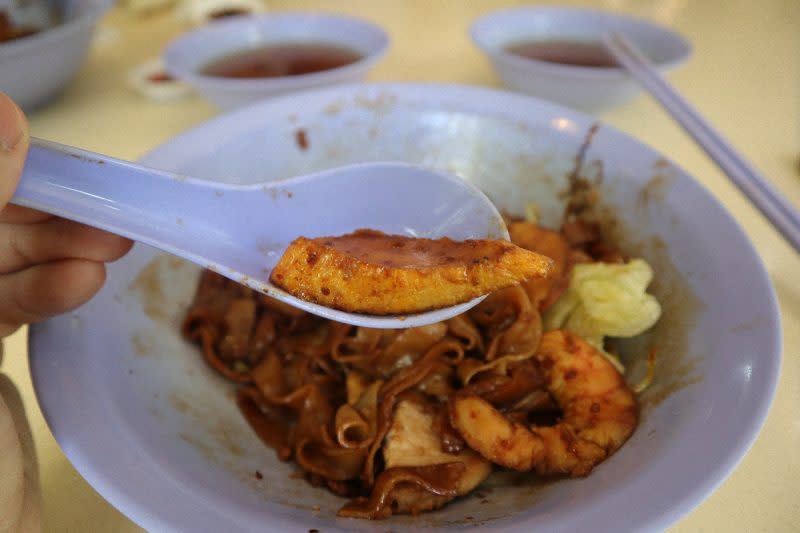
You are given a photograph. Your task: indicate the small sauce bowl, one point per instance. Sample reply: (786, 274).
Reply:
(34, 69)
(568, 67)
(188, 57)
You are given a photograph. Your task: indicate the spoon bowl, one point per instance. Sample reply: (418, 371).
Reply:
(242, 231)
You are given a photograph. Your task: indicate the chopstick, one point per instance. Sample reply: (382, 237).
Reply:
(756, 187)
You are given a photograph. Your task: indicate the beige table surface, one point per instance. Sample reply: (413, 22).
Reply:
(744, 75)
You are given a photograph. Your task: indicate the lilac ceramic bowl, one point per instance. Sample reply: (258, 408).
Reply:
(158, 434)
(36, 68)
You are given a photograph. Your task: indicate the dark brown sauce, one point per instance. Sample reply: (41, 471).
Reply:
(9, 32)
(228, 12)
(576, 53)
(398, 251)
(273, 61)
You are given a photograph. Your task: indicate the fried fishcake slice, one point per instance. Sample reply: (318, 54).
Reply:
(371, 272)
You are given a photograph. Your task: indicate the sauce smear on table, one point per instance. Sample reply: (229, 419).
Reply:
(291, 59)
(576, 53)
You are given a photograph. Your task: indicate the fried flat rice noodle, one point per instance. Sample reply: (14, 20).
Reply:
(325, 394)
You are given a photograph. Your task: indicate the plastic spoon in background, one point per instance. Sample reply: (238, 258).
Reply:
(755, 186)
(242, 231)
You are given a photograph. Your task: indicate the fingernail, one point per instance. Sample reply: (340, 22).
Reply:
(13, 126)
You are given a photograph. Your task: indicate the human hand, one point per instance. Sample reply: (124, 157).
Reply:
(48, 265)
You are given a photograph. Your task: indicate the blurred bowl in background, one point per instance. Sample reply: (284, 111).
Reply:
(188, 57)
(557, 53)
(35, 68)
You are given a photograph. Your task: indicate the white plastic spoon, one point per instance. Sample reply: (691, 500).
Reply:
(242, 231)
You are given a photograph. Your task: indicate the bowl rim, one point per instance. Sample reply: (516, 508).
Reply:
(87, 17)
(193, 77)
(498, 54)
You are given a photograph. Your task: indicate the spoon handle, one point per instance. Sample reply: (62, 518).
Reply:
(107, 193)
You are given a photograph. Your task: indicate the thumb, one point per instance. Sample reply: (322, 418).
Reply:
(13, 147)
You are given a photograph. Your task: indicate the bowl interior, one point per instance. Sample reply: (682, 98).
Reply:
(497, 30)
(157, 433)
(192, 51)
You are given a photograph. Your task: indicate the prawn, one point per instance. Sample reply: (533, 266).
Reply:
(599, 414)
